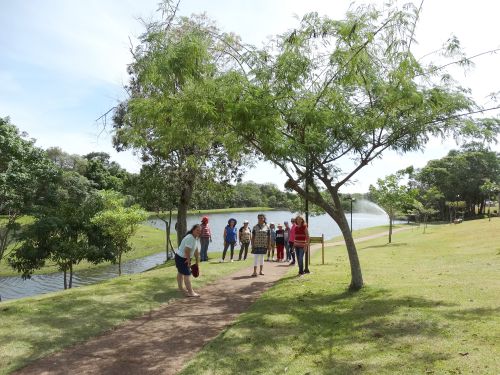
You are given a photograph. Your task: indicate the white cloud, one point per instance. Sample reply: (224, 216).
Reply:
(62, 63)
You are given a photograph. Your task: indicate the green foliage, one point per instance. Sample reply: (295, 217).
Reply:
(62, 232)
(335, 90)
(25, 173)
(459, 176)
(175, 113)
(65, 161)
(393, 197)
(105, 174)
(118, 223)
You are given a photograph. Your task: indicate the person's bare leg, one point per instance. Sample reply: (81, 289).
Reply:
(179, 283)
(190, 291)
(254, 271)
(261, 268)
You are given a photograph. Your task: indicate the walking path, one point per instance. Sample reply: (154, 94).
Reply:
(163, 341)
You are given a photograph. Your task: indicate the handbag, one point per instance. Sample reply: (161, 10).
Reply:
(195, 270)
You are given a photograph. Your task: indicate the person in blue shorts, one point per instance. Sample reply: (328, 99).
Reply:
(188, 248)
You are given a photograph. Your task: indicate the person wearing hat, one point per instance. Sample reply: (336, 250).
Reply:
(205, 238)
(280, 243)
(261, 243)
(230, 238)
(245, 236)
(270, 252)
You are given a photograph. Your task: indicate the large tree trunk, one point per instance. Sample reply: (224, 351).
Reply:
(70, 276)
(337, 213)
(65, 280)
(184, 200)
(167, 237)
(341, 220)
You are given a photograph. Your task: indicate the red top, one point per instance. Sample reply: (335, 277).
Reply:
(205, 231)
(300, 236)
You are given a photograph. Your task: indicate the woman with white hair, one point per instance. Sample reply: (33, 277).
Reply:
(245, 235)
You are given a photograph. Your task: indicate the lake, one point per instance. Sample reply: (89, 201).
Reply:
(13, 287)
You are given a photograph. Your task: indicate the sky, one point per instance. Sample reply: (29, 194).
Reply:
(63, 64)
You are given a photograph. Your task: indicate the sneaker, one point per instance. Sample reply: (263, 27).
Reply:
(291, 264)
(221, 261)
(232, 261)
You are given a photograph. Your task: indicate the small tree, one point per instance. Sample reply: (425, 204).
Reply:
(158, 192)
(62, 230)
(118, 223)
(392, 197)
(425, 203)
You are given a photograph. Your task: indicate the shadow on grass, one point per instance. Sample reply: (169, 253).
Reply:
(278, 331)
(387, 245)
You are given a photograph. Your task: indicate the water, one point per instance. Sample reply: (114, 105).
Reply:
(318, 225)
(16, 287)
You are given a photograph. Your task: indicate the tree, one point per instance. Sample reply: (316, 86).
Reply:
(488, 188)
(67, 162)
(327, 98)
(392, 197)
(426, 201)
(62, 232)
(158, 192)
(175, 112)
(106, 174)
(118, 223)
(461, 173)
(25, 173)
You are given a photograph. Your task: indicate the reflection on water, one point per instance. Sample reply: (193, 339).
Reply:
(16, 287)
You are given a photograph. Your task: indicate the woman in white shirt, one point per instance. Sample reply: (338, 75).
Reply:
(189, 247)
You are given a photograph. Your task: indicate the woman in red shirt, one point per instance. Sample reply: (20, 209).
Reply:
(301, 242)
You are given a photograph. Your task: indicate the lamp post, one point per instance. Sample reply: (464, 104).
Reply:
(352, 200)
(307, 255)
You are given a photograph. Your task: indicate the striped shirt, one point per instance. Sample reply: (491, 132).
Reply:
(205, 231)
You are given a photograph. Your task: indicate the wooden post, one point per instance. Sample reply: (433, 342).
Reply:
(319, 240)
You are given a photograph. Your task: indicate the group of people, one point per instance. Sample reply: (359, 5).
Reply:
(289, 242)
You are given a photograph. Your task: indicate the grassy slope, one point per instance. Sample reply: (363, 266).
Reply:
(430, 305)
(33, 327)
(146, 241)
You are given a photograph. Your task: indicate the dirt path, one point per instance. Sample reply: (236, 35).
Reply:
(161, 343)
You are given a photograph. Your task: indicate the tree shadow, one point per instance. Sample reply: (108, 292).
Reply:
(277, 330)
(387, 245)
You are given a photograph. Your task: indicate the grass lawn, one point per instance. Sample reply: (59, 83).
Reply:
(36, 326)
(430, 306)
(146, 241)
(358, 233)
